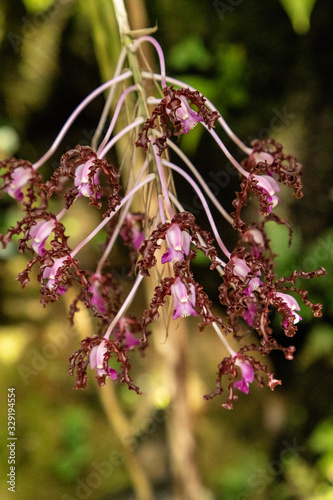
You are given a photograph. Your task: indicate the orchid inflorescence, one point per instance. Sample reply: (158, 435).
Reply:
(249, 291)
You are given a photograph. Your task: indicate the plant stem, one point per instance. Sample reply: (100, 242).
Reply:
(119, 423)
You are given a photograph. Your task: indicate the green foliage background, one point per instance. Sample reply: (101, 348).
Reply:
(267, 65)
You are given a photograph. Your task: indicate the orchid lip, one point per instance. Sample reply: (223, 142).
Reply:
(178, 243)
(184, 299)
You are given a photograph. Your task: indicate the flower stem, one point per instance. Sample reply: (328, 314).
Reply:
(221, 120)
(76, 113)
(223, 339)
(129, 195)
(122, 98)
(117, 229)
(125, 305)
(204, 204)
(227, 152)
(159, 53)
(110, 144)
(162, 180)
(119, 423)
(108, 102)
(199, 177)
(121, 16)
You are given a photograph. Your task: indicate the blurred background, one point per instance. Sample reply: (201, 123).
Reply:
(267, 66)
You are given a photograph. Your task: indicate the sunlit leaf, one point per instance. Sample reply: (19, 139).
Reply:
(319, 345)
(34, 6)
(201, 259)
(322, 439)
(287, 257)
(232, 70)
(190, 53)
(299, 12)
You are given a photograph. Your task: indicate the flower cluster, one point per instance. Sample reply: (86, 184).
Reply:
(163, 241)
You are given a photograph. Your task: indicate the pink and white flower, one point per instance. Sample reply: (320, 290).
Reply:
(270, 187)
(81, 180)
(256, 239)
(39, 234)
(51, 273)
(247, 373)
(135, 235)
(240, 268)
(96, 360)
(250, 313)
(183, 298)
(254, 284)
(292, 305)
(178, 244)
(20, 177)
(186, 115)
